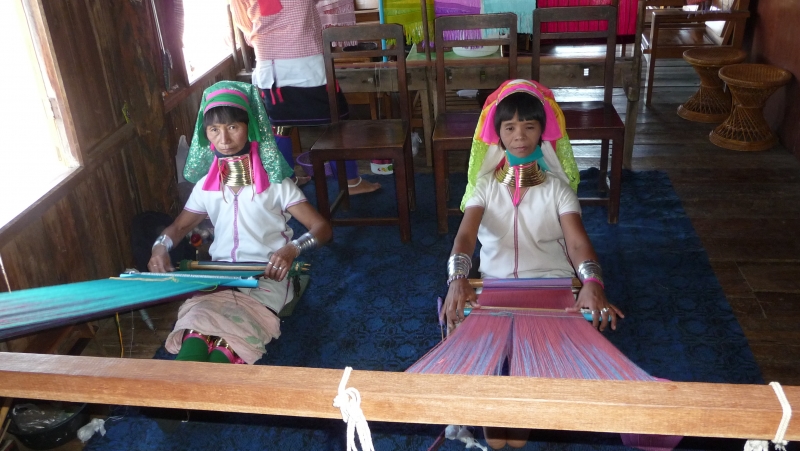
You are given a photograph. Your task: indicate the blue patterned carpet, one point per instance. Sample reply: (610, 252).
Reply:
(371, 305)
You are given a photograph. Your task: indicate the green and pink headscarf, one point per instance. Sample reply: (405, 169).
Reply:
(268, 164)
(486, 153)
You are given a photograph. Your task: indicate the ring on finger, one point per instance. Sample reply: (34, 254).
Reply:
(604, 310)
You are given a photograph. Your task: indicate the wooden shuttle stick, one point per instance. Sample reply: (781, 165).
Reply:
(187, 265)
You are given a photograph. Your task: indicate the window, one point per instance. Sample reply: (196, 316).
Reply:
(33, 154)
(206, 35)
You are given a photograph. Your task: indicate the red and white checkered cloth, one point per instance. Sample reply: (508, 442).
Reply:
(294, 32)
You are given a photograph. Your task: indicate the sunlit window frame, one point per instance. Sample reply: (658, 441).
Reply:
(31, 12)
(40, 44)
(173, 42)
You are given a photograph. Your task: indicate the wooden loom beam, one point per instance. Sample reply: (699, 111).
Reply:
(671, 408)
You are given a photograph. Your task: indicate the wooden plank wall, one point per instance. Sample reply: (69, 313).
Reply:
(107, 60)
(779, 45)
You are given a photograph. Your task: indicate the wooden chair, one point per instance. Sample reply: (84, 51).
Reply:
(590, 120)
(672, 31)
(383, 139)
(454, 130)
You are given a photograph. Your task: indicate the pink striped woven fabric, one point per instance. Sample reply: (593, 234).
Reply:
(626, 18)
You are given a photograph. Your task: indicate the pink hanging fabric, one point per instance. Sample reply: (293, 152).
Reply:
(626, 19)
(337, 13)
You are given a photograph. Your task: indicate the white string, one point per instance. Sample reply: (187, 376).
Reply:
(349, 402)
(780, 443)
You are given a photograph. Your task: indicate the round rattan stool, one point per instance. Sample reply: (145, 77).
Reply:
(750, 86)
(711, 103)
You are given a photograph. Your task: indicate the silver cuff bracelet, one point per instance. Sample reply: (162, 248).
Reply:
(590, 269)
(459, 264)
(306, 242)
(165, 241)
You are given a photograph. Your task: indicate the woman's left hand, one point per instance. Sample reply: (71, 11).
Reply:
(593, 298)
(280, 261)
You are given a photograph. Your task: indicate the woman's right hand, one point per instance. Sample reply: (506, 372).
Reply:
(159, 260)
(458, 294)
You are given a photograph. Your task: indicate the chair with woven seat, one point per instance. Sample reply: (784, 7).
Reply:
(673, 31)
(596, 119)
(454, 130)
(382, 139)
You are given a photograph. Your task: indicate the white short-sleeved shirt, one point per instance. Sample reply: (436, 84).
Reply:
(526, 241)
(247, 226)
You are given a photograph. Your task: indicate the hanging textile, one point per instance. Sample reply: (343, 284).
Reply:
(408, 13)
(337, 13)
(522, 8)
(455, 8)
(626, 17)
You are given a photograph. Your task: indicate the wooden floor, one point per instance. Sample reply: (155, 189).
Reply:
(745, 206)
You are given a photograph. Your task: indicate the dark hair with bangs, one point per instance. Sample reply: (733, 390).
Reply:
(225, 115)
(526, 106)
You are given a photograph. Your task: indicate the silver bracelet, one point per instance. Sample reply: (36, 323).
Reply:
(306, 242)
(590, 269)
(458, 266)
(164, 240)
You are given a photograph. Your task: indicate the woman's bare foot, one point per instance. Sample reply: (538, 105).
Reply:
(517, 438)
(361, 186)
(495, 437)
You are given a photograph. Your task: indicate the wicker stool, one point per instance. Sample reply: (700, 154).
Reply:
(711, 103)
(750, 85)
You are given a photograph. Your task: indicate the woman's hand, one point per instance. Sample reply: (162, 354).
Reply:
(593, 298)
(159, 260)
(458, 294)
(280, 261)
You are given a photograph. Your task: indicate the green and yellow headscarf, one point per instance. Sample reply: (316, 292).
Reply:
(247, 97)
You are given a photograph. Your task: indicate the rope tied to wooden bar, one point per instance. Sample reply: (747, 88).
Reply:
(778, 441)
(349, 402)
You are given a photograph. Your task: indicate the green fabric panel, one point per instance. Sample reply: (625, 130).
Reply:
(567, 160)
(476, 156)
(408, 13)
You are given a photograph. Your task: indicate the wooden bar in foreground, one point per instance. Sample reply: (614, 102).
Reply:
(671, 408)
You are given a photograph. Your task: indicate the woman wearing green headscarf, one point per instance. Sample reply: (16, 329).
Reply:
(243, 186)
